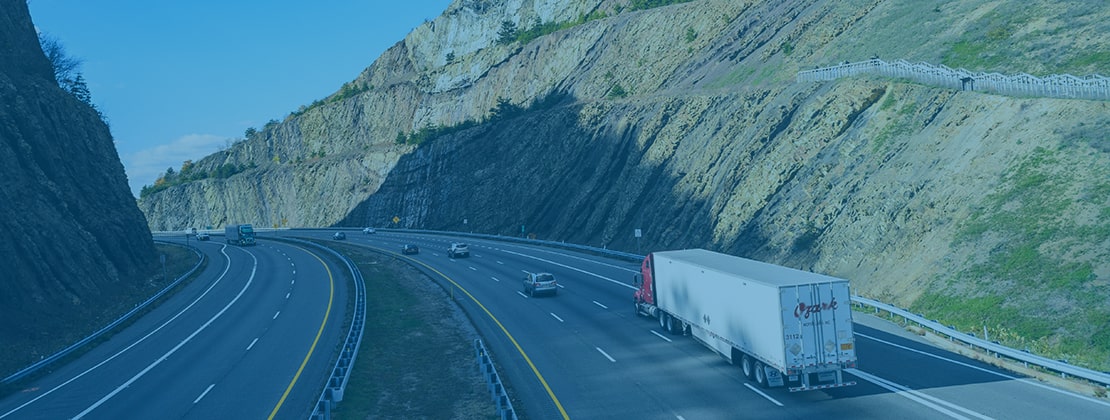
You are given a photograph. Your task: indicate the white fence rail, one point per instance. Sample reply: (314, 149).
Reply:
(1052, 86)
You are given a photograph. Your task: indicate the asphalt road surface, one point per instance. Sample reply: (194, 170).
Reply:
(252, 337)
(585, 354)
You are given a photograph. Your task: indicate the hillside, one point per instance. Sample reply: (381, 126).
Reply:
(73, 239)
(685, 121)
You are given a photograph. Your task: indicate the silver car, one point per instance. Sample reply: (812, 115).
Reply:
(540, 283)
(458, 249)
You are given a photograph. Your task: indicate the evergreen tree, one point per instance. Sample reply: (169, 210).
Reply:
(80, 90)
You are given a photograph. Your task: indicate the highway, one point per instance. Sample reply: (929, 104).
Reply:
(585, 354)
(251, 337)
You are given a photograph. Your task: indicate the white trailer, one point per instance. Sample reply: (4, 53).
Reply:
(782, 326)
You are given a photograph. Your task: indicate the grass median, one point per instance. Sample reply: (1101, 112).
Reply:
(417, 354)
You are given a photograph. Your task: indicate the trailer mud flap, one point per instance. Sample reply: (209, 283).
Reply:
(774, 377)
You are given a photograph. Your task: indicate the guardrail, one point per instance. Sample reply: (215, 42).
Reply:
(341, 373)
(505, 409)
(1055, 86)
(22, 373)
(1063, 368)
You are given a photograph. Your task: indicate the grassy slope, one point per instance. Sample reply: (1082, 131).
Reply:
(1033, 273)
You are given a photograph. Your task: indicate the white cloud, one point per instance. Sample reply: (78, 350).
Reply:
(143, 167)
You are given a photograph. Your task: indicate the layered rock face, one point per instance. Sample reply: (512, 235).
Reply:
(71, 234)
(685, 122)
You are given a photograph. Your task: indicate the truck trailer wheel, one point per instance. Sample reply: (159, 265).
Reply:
(760, 375)
(746, 366)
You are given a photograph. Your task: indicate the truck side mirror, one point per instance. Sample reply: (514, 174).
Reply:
(637, 280)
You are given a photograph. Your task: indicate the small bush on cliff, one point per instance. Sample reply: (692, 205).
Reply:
(189, 173)
(651, 4)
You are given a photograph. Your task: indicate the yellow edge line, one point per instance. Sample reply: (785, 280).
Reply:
(550, 393)
(331, 297)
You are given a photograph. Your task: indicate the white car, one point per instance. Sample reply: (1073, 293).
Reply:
(369, 230)
(458, 249)
(536, 283)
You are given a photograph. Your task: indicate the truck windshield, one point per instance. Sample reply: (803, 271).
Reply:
(246, 229)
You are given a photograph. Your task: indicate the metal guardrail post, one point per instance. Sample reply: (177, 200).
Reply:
(34, 367)
(493, 382)
(341, 373)
(1063, 368)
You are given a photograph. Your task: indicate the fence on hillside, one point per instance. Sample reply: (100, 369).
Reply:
(1052, 86)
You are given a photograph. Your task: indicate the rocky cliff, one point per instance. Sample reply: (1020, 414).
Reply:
(684, 121)
(71, 234)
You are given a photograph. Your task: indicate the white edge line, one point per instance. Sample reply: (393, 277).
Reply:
(607, 356)
(252, 344)
(661, 336)
(763, 394)
(202, 394)
(599, 304)
(1025, 380)
(522, 294)
(911, 394)
(557, 317)
(223, 250)
(572, 268)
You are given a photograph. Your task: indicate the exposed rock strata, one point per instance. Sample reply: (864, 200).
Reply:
(72, 237)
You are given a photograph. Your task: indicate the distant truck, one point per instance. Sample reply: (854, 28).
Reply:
(242, 235)
(783, 327)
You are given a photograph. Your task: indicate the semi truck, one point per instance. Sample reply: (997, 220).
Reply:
(242, 235)
(781, 326)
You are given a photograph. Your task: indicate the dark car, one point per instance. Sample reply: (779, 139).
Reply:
(535, 283)
(339, 236)
(410, 249)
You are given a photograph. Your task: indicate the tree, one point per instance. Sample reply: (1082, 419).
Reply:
(250, 132)
(66, 68)
(508, 32)
(80, 90)
(504, 109)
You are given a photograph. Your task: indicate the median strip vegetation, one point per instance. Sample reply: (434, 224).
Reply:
(417, 355)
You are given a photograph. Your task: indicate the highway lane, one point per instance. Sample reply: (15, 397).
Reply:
(599, 360)
(249, 337)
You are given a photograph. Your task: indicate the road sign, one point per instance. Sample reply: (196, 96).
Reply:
(396, 219)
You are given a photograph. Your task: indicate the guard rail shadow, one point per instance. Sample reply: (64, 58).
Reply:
(22, 373)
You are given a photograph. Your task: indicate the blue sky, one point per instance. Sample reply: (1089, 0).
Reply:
(177, 80)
